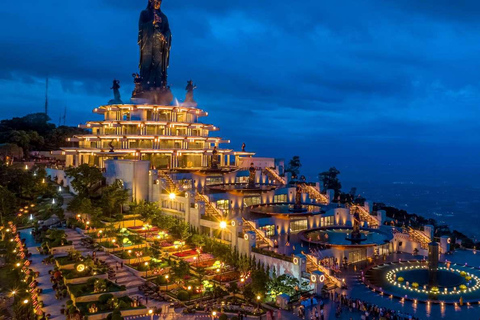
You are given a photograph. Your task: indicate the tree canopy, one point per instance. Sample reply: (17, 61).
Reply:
(294, 166)
(85, 178)
(34, 132)
(330, 180)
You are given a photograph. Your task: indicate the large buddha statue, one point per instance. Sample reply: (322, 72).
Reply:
(155, 41)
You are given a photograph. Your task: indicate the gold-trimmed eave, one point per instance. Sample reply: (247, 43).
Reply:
(95, 151)
(133, 107)
(139, 123)
(78, 138)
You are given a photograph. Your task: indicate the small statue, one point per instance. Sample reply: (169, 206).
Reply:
(252, 177)
(243, 147)
(214, 158)
(112, 148)
(137, 80)
(298, 198)
(116, 92)
(190, 87)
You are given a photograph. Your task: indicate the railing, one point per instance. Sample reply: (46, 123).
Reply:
(258, 232)
(208, 205)
(419, 236)
(324, 270)
(365, 216)
(171, 184)
(314, 193)
(272, 254)
(275, 176)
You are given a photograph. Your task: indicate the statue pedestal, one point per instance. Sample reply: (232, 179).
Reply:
(158, 96)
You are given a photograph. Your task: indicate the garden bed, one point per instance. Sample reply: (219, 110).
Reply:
(93, 289)
(105, 305)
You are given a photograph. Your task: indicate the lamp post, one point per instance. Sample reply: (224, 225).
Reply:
(214, 315)
(223, 226)
(258, 300)
(146, 269)
(189, 293)
(166, 282)
(130, 257)
(150, 312)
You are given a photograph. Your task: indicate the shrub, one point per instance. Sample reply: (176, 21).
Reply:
(400, 279)
(463, 287)
(105, 297)
(415, 285)
(182, 295)
(463, 273)
(223, 317)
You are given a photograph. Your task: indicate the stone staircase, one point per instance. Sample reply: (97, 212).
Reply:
(210, 209)
(171, 185)
(314, 194)
(420, 237)
(274, 176)
(123, 276)
(262, 239)
(366, 216)
(331, 282)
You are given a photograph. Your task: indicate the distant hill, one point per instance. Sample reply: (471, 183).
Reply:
(34, 132)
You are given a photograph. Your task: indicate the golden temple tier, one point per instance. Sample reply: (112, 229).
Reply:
(148, 107)
(117, 124)
(160, 158)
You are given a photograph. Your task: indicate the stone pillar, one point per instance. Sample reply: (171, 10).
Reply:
(428, 230)
(318, 279)
(433, 252)
(444, 244)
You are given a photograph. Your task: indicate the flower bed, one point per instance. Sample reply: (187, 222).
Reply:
(187, 253)
(227, 277)
(149, 267)
(125, 254)
(204, 260)
(163, 243)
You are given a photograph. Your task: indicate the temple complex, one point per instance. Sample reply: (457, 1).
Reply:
(161, 152)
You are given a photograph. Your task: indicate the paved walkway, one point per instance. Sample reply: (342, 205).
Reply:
(52, 306)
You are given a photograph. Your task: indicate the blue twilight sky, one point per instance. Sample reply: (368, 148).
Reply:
(385, 90)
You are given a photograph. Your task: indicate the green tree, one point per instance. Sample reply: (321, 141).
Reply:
(330, 180)
(181, 270)
(85, 178)
(294, 166)
(113, 198)
(148, 210)
(84, 206)
(11, 150)
(197, 240)
(182, 230)
(8, 203)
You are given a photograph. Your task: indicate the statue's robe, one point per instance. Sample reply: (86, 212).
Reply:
(155, 43)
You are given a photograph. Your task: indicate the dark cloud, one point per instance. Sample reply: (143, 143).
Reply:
(317, 78)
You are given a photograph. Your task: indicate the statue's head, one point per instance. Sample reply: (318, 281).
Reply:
(157, 4)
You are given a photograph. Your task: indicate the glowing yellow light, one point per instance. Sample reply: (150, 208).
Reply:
(81, 268)
(223, 225)
(172, 196)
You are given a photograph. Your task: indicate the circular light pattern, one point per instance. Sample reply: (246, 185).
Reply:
(391, 277)
(295, 261)
(81, 268)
